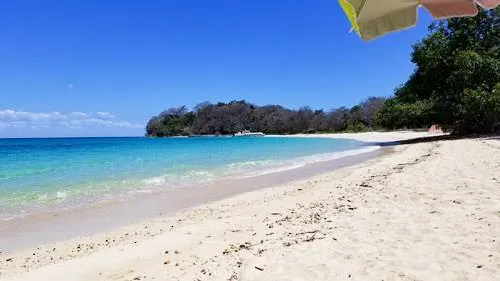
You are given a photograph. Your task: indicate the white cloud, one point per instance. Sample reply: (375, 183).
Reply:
(105, 115)
(20, 119)
(79, 115)
(71, 86)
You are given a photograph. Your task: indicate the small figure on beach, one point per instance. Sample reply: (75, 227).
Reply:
(435, 129)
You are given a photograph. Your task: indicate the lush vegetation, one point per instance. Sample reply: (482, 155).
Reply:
(235, 116)
(456, 82)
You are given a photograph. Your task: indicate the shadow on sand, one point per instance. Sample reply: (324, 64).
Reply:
(439, 138)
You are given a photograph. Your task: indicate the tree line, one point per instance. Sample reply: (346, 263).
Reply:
(235, 116)
(455, 84)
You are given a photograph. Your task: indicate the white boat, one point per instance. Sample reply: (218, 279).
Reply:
(247, 133)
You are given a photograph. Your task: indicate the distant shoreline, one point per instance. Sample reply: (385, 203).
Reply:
(355, 135)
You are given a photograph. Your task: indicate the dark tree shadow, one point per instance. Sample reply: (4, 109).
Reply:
(438, 138)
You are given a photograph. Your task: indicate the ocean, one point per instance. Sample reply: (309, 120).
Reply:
(38, 174)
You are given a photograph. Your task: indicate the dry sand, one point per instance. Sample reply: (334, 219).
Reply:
(427, 211)
(371, 136)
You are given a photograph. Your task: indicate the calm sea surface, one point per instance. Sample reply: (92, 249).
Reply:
(64, 172)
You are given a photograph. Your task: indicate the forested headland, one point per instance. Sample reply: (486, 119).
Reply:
(456, 84)
(235, 116)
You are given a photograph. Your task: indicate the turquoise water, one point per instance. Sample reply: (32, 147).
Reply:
(41, 173)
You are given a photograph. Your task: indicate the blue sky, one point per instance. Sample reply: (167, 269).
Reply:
(100, 68)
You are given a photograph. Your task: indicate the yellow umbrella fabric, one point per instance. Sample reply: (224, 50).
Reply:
(374, 18)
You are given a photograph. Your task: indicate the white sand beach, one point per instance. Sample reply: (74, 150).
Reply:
(370, 136)
(424, 211)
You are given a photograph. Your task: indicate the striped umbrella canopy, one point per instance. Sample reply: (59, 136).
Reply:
(374, 18)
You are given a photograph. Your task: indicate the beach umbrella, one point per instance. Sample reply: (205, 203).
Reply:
(374, 18)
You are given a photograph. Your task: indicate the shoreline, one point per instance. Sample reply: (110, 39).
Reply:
(45, 227)
(62, 198)
(370, 137)
(425, 211)
(41, 227)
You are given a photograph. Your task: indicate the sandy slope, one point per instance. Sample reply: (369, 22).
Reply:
(429, 211)
(370, 136)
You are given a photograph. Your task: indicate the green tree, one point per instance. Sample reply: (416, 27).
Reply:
(456, 64)
(229, 118)
(480, 111)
